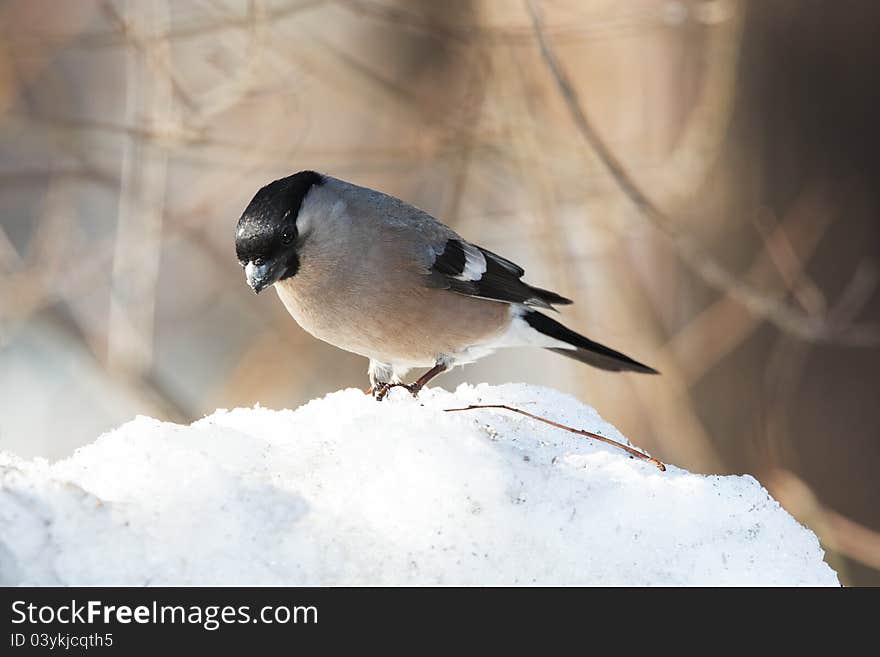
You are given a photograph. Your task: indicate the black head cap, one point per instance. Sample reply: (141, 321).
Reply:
(267, 230)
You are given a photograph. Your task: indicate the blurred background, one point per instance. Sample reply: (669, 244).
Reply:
(700, 175)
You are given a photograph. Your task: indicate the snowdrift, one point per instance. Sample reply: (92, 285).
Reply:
(345, 490)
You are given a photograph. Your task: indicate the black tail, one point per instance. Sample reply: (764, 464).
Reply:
(548, 298)
(586, 351)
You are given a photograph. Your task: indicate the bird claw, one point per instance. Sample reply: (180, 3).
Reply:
(380, 391)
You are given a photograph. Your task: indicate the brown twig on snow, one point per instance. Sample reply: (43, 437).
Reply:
(580, 432)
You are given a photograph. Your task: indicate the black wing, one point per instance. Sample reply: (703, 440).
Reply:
(468, 269)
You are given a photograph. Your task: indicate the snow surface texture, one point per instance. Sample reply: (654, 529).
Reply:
(346, 490)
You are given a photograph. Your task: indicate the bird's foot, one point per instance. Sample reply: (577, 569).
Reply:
(381, 390)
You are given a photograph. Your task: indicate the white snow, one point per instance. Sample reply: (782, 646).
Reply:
(348, 491)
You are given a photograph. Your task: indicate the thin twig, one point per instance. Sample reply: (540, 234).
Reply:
(149, 87)
(782, 315)
(580, 432)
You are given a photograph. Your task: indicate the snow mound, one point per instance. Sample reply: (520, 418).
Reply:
(347, 491)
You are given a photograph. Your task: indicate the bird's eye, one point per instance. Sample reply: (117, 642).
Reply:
(287, 236)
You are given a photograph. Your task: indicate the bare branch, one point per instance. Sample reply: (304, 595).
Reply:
(141, 201)
(782, 315)
(840, 533)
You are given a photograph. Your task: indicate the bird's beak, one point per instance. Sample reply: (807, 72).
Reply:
(258, 276)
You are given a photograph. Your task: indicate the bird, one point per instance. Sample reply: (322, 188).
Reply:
(376, 276)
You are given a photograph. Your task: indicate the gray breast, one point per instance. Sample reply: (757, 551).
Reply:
(362, 282)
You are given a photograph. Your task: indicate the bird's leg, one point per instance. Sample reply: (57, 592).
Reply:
(422, 381)
(380, 376)
(380, 390)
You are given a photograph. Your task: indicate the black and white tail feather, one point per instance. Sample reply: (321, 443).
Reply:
(474, 271)
(585, 350)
